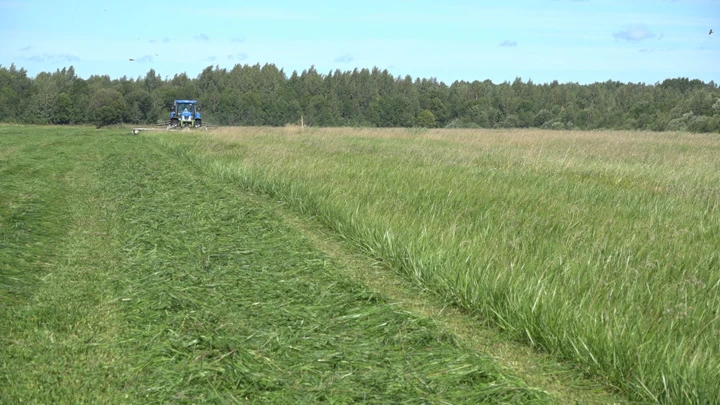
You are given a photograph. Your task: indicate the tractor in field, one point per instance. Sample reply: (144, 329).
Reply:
(185, 114)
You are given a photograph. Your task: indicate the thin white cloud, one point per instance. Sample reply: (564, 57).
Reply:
(54, 58)
(145, 58)
(344, 58)
(237, 56)
(507, 43)
(636, 32)
(210, 59)
(26, 48)
(202, 37)
(166, 40)
(237, 40)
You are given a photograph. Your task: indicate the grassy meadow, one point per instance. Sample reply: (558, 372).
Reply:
(601, 248)
(130, 275)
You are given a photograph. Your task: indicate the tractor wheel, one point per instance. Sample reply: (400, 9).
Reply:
(174, 122)
(198, 123)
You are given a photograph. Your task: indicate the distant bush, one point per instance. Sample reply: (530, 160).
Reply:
(108, 107)
(426, 119)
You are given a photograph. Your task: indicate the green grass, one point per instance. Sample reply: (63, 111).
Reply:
(130, 276)
(598, 247)
(34, 172)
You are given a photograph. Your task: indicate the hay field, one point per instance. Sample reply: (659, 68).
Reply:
(598, 247)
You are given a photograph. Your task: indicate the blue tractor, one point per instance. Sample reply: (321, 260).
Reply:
(185, 114)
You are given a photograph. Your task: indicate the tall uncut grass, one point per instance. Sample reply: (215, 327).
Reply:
(599, 247)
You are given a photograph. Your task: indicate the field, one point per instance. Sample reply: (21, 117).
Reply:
(129, 276)
(199, 279)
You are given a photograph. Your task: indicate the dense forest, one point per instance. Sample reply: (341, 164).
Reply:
(266, 95)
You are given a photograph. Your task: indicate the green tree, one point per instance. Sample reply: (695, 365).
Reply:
(426, 119)
(16, 90)
(478, 116)
(250, 111)
(80, 97)
(511, 121)
(319, 112)
(391, 112)
(140, 107)
(8, 103)
(152, 81)
(63, 111)
(108, 107)
(439, 110)
(41, 106)
(541, 118)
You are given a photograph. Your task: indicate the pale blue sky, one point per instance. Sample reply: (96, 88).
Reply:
(543, 40)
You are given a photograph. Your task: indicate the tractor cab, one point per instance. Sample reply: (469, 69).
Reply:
(185, 114)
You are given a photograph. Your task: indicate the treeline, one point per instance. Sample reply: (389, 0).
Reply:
(265, 95)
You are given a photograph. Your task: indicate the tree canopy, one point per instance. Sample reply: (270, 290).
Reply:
(265, 95)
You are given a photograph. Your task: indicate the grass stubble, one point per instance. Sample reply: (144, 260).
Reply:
(129, 276)
(597, 247)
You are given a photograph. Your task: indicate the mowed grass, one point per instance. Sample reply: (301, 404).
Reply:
(32, 203)
(130, 276)
(600, 247)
